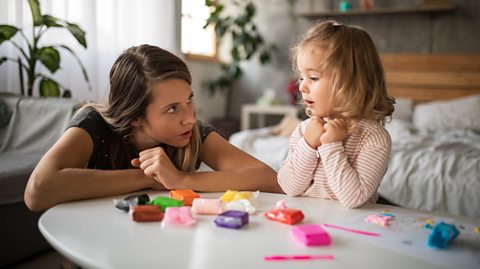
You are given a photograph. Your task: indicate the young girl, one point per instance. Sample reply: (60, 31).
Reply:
(342, 151)
(146, 136)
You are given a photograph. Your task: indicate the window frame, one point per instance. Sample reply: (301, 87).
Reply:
(195, 56)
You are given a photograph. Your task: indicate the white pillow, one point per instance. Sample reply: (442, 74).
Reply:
(399, 129)
(461, 113)
(403, 109)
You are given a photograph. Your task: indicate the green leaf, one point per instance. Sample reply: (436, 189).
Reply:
(67, 93)
(78, 33)
(235, 54)
(7, 32)
(207, 23)
(218, 9)
(51, 21)
(50, 57)
(220, 29)
(209, 3)
(36, 14)
(49, 87)
(250, 9)
(234, 72)
(241, 21)
(265, 57)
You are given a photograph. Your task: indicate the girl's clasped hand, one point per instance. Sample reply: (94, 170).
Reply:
(320, 132)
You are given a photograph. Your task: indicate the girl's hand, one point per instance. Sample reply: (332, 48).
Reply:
(314, 131)
(335, 130)
(155, 163)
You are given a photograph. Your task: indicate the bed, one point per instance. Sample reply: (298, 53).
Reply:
(435, 130)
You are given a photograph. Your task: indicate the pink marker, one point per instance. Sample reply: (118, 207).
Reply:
(351, 230)
(298, 257)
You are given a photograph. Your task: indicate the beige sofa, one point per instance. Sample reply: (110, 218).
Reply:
(34, 124)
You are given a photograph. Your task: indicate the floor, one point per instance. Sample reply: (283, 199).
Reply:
(49, 259)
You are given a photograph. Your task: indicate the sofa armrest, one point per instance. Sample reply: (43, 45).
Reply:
(37, 123)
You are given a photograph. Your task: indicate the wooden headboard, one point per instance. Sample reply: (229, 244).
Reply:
(427, 77)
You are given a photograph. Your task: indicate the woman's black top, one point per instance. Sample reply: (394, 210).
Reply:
(102, 136)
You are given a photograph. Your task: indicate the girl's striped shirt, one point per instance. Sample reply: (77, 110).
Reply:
(349, 171)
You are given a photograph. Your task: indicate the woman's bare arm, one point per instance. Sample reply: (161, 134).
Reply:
(234, 169)
(61, 176)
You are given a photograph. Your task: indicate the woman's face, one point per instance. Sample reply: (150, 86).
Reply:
(169, 118)
(315, 84)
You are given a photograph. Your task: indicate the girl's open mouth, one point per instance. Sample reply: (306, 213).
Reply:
(308, 102)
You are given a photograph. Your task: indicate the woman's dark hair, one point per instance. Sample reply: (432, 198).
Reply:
(131, 80)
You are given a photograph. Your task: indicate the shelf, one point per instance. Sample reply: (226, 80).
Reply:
(380, 11)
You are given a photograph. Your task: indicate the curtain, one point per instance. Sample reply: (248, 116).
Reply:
(111, 26)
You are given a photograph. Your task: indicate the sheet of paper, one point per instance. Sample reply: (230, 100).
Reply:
(407, 234)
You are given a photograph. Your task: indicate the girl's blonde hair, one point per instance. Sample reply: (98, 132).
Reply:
(131, 80)
(358, 78)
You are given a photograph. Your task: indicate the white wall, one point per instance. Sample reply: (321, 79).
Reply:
(208, 106)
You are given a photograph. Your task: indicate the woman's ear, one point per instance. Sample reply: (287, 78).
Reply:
(136, 122)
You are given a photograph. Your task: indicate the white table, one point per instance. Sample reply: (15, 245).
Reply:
(94, 234)
(261, 111)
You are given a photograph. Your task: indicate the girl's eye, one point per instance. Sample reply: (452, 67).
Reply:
(190, 100)
(313, 78)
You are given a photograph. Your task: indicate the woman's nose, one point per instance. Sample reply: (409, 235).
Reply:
(190, 116)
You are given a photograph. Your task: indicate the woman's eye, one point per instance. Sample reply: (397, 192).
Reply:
(190, 100)
(172, 109)
(313, 78)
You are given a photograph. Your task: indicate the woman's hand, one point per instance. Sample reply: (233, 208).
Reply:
(314, 131)
(155, 163)
(335, 130)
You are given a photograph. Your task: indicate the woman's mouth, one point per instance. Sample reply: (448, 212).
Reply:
(186, 134)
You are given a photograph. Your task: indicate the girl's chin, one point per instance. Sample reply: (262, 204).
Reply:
(311, 112)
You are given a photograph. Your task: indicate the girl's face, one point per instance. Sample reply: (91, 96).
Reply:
(169, 118)
(315, 84)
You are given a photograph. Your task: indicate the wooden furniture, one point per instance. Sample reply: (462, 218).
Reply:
(427, 77)
(261, 111)
(379, 11)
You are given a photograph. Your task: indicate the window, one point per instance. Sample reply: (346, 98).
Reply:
(197, 43)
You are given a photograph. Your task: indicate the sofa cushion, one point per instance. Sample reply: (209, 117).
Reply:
(15, 169)
(35, 125)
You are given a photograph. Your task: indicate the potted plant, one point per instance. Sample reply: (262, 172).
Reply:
(247, 43)
(34, 53)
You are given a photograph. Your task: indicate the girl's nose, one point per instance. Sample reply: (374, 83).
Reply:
(302, 87)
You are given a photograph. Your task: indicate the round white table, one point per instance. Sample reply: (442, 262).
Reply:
(95, 234)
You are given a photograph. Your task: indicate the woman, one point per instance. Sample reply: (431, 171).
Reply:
(146, 136)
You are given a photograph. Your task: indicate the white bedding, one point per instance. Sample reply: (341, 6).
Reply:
(434, 171)
(264, 146)
(428, 171)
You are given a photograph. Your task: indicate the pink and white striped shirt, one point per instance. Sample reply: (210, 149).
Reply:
(349, 171)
